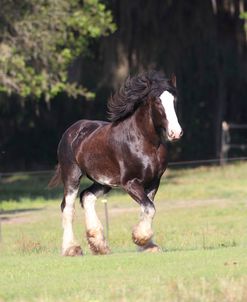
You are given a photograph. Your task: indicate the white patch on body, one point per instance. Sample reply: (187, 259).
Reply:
(104, 180)
(68, 215)
(174, 130)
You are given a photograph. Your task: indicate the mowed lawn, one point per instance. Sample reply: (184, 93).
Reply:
(200, 223)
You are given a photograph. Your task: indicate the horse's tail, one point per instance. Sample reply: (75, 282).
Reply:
(56, 179)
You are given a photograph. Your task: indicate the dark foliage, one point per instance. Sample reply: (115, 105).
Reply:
(202, 42)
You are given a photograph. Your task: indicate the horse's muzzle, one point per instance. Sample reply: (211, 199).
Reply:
(174, 135)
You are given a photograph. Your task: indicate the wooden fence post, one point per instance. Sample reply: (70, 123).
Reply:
(104, 201)
(225, 141)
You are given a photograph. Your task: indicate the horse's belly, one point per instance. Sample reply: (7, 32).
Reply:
(97, 161)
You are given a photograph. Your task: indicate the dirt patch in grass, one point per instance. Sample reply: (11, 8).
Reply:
(196, 203)
(174, 204)
(19, 216)
(18, 219)
(27, 215)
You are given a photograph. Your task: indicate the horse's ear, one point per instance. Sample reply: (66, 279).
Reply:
(173, 80)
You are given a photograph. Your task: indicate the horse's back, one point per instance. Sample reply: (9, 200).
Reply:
(74, 135)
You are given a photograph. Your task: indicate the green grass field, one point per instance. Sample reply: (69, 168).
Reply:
(200, 223)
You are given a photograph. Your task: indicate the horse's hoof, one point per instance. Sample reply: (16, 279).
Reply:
(103, 251)
(99, 249)
(73, 251)
(140, 238)
(150, 248)
(97, 243)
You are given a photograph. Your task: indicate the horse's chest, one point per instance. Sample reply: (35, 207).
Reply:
(152, 166)
(145, 165)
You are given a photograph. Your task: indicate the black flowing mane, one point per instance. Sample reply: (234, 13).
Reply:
(135, 91)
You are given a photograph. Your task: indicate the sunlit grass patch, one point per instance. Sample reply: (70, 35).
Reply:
(200, 223)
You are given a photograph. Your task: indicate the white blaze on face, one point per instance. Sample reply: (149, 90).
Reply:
(174, 130)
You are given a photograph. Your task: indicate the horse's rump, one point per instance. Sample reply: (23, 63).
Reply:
(73, 136)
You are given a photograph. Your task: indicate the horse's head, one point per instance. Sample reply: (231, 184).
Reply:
(164, 114)
(151, 86)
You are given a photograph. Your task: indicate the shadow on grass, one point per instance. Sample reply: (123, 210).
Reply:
(18, 187)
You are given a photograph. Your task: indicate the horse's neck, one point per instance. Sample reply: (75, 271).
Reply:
(142, 124)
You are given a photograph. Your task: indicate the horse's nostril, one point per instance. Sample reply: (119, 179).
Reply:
(181, 133)
(171, 133)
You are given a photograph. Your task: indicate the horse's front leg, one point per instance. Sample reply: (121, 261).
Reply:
(94, 228)
(142, 233)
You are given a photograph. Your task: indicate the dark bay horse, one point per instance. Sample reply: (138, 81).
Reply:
(127, 152)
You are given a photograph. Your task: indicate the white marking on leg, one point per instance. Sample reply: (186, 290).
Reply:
(92, 220)
(174, 130)
(142, 232)
(68, 215)
(147, 215)
(95, 234)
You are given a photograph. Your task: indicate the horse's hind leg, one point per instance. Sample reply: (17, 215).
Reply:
(71, 179)
(94, 228)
